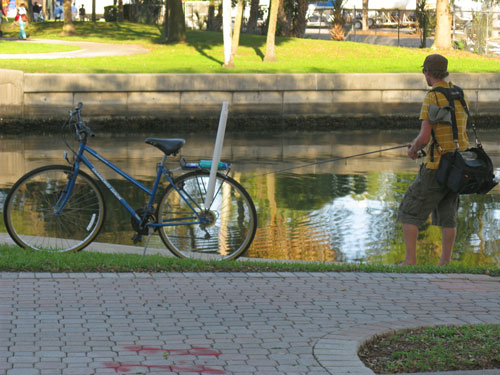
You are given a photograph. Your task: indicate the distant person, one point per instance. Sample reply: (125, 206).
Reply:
(37, 12)
(82, 13)
(74, 12)
(59, 12)
(21, 18)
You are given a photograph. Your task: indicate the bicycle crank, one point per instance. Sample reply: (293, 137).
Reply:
(141, 229)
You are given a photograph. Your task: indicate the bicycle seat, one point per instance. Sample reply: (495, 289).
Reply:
(168, 145)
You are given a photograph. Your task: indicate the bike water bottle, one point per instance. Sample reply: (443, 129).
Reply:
(207, 164)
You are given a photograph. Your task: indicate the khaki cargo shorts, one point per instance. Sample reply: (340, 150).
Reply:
(426, 196)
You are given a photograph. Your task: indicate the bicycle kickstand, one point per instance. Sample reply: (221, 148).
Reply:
(150, 232)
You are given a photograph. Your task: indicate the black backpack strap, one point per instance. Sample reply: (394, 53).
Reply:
(434, 144)
(461, 98)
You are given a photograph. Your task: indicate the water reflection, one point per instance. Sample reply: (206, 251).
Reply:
(342, 211)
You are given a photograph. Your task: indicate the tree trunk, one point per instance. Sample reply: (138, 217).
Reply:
(176, 23)
(365, 15)
(94, 16)
(44, 10)
(442, 39)
(214, 22)
(68, 26)
(120, 11)
(254, 16)
(299, 22)
(165, 22)
(227, 33)
(211, 16)
(271, 31)
(30, 9)
(284, 21)
(237, 28)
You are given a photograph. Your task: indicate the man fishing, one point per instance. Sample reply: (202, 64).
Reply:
(425, 195)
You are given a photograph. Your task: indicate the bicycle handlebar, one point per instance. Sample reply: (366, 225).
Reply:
(80, 126)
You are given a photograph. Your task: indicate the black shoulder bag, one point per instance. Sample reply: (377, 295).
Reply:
(464, 172)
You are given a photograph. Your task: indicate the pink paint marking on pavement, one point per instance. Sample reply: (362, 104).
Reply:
(195, 350)
(126, 367)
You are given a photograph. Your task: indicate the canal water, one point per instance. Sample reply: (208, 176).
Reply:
(342, 211)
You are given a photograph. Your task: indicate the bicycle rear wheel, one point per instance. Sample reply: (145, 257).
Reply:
(29, 210)
(231, 219)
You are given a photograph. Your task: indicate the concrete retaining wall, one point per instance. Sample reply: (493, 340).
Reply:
(29, 96)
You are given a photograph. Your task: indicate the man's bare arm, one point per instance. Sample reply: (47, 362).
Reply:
(421, 140)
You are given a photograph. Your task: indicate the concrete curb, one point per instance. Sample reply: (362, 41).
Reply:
(337, 352)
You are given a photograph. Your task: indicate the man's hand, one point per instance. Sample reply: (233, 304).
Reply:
(412, 151)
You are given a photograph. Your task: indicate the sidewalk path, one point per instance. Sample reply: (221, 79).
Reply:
(87, 49)
(223, 323)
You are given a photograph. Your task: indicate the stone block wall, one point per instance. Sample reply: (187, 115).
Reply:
(31, 96)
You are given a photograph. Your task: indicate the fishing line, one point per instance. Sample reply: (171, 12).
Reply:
(332, 160)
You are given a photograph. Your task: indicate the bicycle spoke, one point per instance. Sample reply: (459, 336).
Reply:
(31, 215)
(220, 233)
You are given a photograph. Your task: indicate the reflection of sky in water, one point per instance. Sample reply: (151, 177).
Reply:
(359, 233)
(349, 222)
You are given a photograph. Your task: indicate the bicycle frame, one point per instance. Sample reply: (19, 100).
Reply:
(81, 158)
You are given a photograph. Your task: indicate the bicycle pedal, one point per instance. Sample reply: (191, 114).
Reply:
(136, 237)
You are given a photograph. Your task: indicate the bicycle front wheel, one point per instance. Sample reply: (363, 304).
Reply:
(229, 223)
(31, 216)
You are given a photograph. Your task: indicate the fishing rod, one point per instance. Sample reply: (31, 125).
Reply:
(421, 154)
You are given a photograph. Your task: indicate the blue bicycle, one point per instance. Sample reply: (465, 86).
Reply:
(62, 208)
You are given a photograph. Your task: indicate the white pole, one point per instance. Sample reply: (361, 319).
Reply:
(216, 157)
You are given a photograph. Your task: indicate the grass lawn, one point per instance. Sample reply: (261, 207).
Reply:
(22, 47)
(443, 348)
(203, 53)
(15, 259)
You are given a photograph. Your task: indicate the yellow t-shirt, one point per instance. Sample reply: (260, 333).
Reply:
(443, 131)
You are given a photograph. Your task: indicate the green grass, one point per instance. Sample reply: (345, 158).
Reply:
(203, 53)
(16, 48)
(442, 348)
(15, 259)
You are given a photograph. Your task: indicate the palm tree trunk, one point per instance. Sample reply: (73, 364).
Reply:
(120, 11)
(284, 20)
(237, 28)
(68, 27)
(254, 15)
(271, 32)
(365, 15)
(299, 22)
(176, 24)
(443, 25)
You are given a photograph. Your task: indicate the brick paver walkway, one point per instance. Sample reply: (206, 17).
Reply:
(224, 323)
